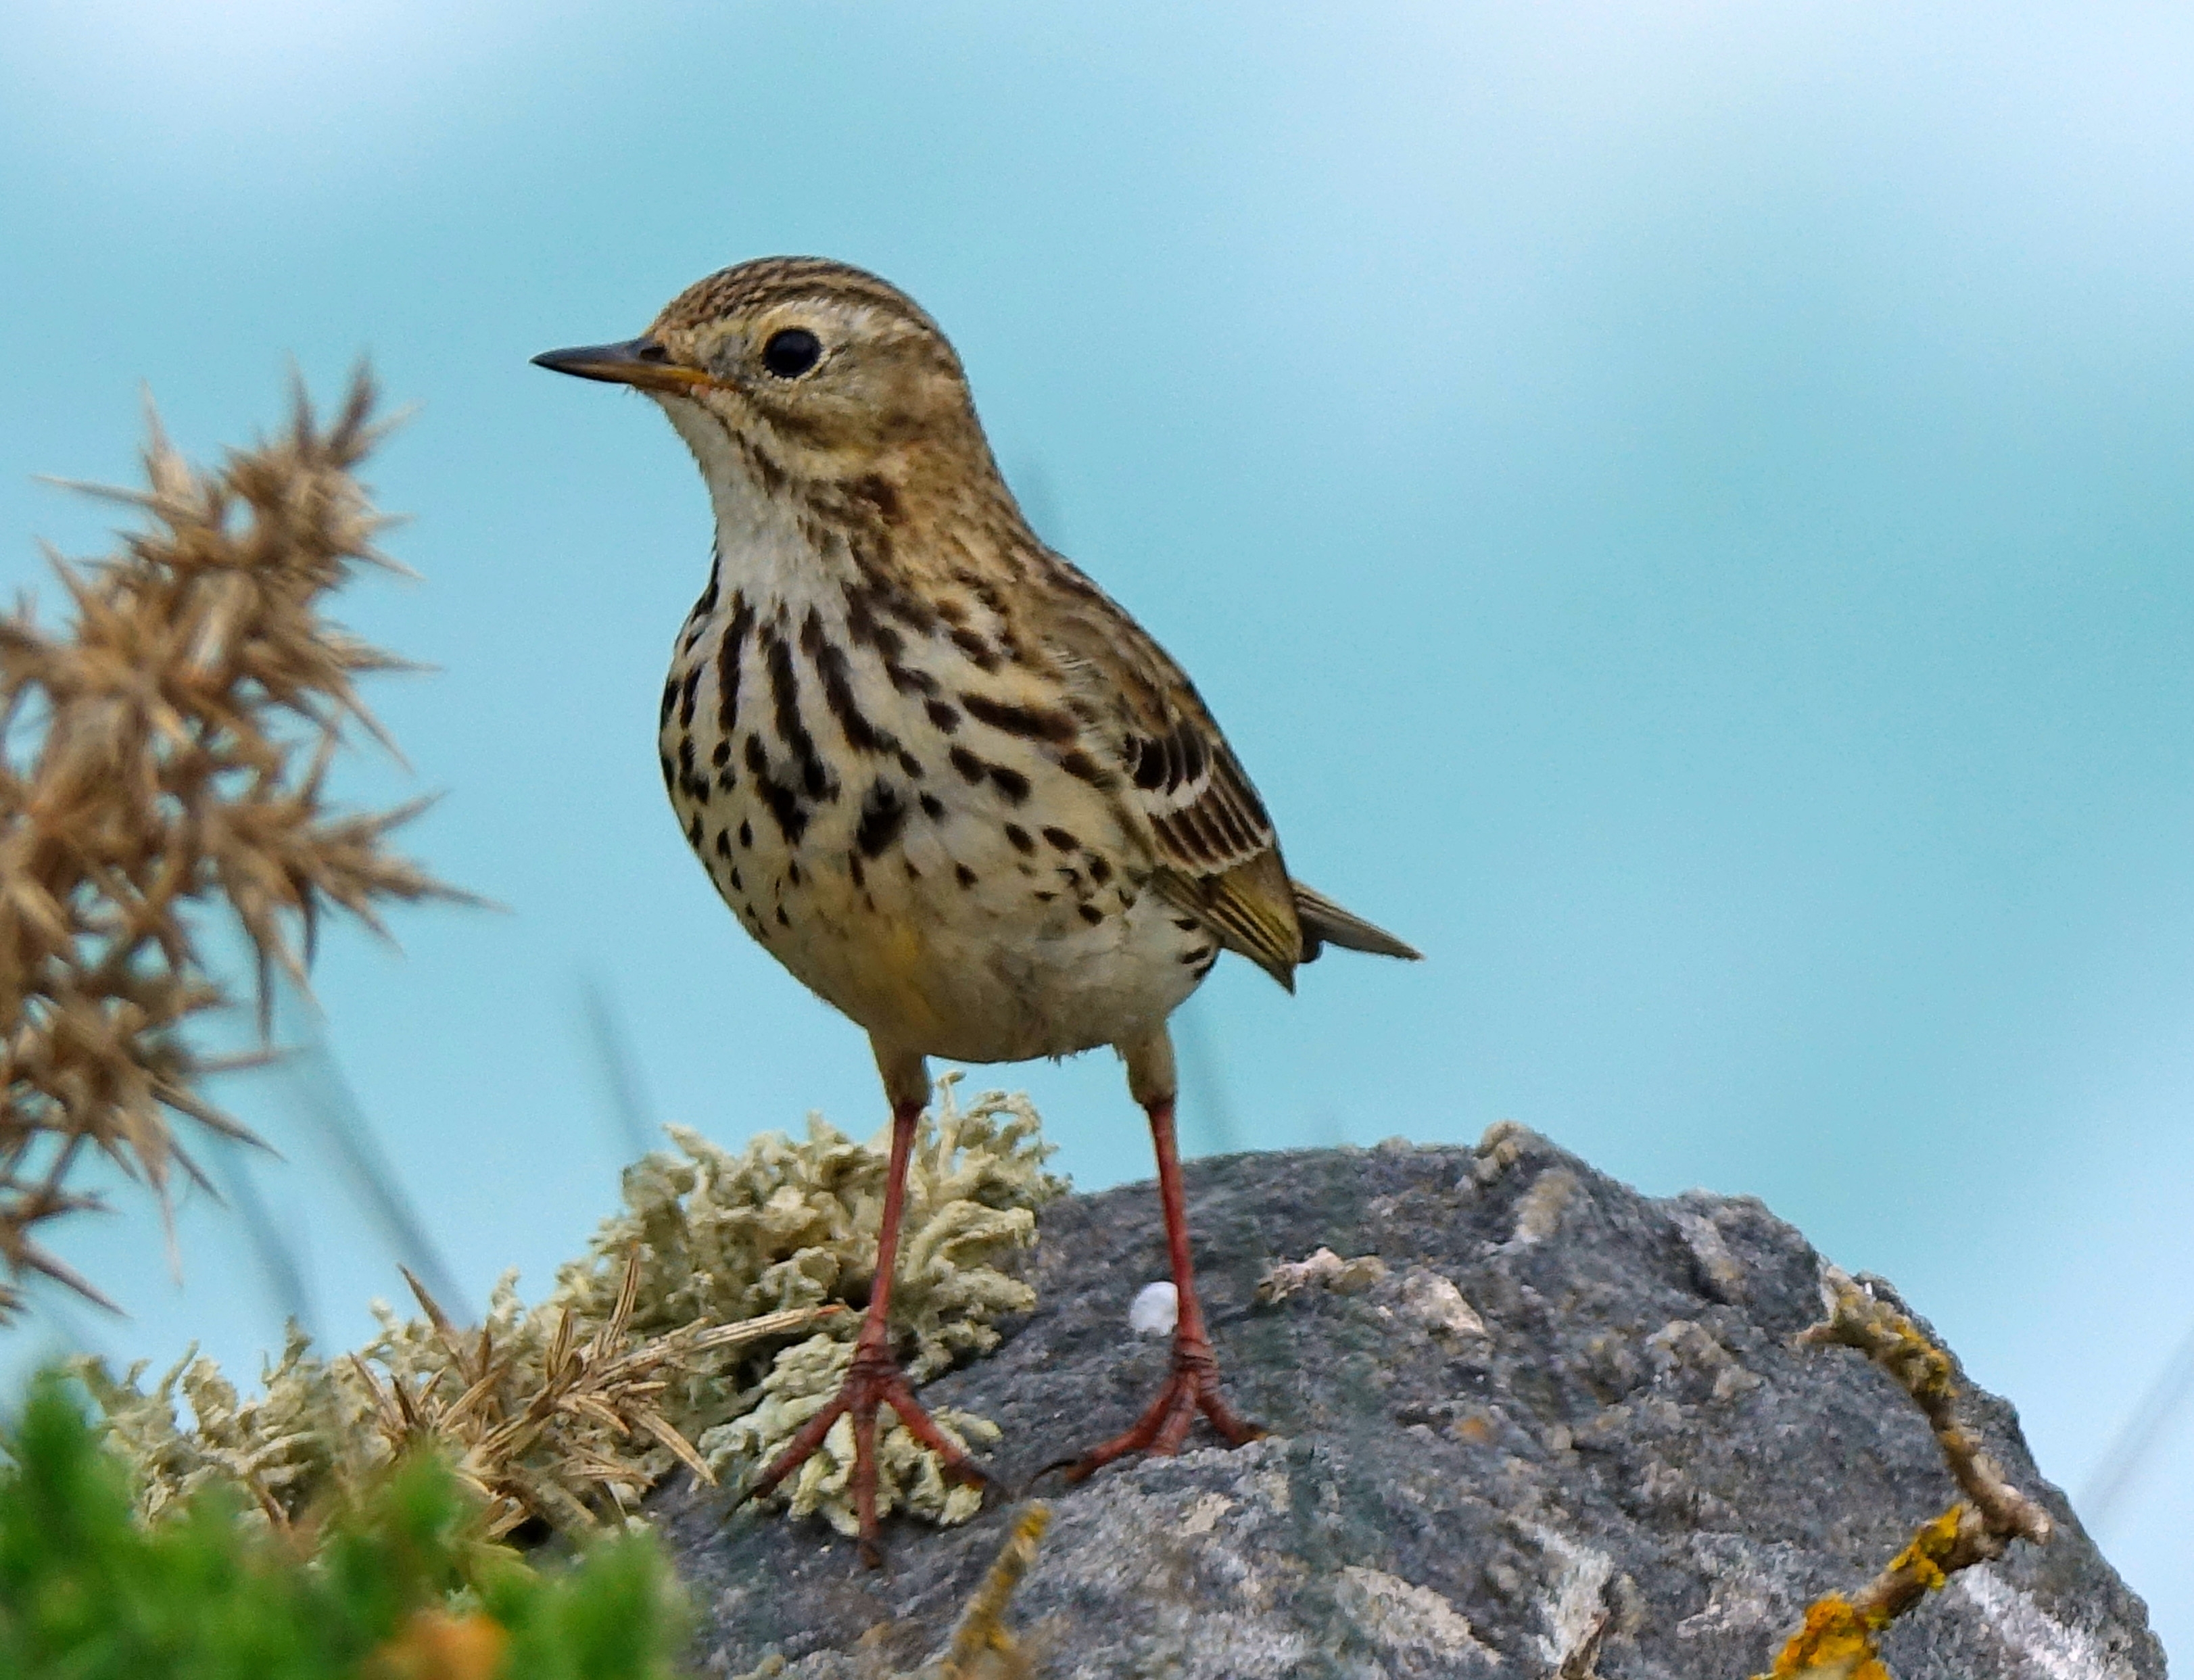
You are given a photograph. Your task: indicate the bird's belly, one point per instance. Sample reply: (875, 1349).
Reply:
(964, 938)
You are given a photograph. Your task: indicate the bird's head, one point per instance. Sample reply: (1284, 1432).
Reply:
(824, 371)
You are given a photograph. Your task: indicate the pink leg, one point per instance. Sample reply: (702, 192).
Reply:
(1193, 1384)
(874, 1381)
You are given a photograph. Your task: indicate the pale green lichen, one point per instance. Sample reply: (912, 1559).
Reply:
(567, 1411)
(305, 1431)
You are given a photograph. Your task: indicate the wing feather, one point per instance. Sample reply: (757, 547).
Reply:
(1216, 855)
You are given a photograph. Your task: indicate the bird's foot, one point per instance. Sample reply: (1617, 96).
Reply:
(1193, 1387)
(873, 1381)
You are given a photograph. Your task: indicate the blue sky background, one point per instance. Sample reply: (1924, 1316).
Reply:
(1684, 510)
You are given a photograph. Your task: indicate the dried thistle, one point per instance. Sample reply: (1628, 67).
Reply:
(163, 758)
(1837, 1639)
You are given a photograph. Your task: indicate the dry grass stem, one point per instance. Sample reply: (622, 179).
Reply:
(163, 760)
(1836, 1640)
(529, 1435)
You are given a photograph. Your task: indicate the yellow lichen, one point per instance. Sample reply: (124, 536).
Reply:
(1836, 1643)
(1924, 1556)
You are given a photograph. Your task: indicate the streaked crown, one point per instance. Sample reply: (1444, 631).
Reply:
(829, 370)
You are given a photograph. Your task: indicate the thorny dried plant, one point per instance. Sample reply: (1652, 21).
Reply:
(1836, 1641)
(523, 1432)
(706, 1322)
(164, 758)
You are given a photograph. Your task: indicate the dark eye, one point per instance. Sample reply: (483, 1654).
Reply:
(791, 353)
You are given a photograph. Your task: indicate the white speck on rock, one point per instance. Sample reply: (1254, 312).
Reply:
(1576, 1611)
(1409, 1622)
(1203, 1515)
(1283, 1278)
(1156, 1310)
(1433, 1303)
(2052, 1650)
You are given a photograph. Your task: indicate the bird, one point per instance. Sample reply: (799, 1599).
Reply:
(934, 770)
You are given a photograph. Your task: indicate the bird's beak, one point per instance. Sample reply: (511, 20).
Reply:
(640, 362)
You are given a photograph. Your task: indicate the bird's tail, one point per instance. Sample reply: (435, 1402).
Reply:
(1325, 923)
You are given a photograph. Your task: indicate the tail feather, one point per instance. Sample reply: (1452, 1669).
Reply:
(1325, 923)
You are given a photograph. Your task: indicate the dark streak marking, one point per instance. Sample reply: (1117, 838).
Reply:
(883, 814)
(985, 655)
(1064, 840)
(1020, 837)
(1030, 723)
(727, 663)
(910, 679)
(878, 493)
(862, 624)
(932, 807)
(1010, 782)
(969, 764)
(1079, 763)
(1146, 763)
(861, 735)
(963, 874)
(784, 802)
(943, 716)
(784, 686)
(1090, 913)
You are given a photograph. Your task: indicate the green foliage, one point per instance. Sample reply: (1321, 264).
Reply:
(400, 1585)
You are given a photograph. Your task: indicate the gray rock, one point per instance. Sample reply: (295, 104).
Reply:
(1631, 1473)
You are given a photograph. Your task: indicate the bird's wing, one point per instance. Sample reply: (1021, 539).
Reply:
(1217, 856)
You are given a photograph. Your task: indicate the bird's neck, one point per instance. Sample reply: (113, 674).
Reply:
(782, 538)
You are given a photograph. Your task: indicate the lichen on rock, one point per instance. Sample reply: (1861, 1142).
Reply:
(566, 1411)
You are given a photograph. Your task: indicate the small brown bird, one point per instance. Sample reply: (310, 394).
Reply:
(934, 769)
